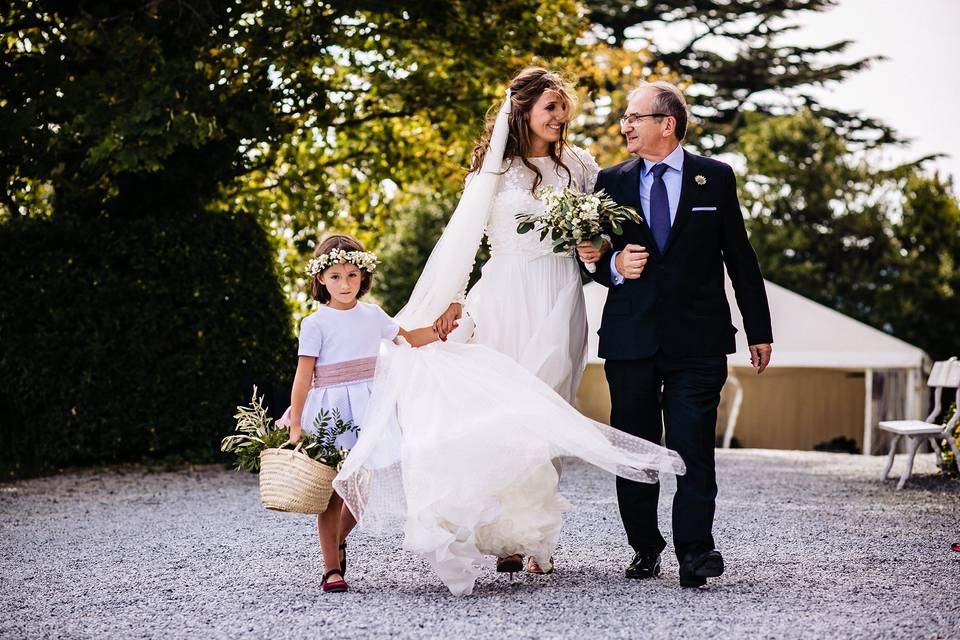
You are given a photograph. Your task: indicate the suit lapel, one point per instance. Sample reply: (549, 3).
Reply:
(688, 192)
(628, 185)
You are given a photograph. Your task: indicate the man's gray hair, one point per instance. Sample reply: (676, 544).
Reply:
(668, 99)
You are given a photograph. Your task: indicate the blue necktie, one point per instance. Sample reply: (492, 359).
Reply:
(659, 207)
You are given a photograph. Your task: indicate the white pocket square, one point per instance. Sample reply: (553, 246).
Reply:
(703, 209)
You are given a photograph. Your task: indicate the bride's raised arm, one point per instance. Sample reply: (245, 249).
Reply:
(447, 321)
(448, 269)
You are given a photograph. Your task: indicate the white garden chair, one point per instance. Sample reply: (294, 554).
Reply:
(945, 374)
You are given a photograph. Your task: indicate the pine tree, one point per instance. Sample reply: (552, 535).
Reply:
(735, 62)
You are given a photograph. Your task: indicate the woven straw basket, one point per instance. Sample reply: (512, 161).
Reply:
(290, 480)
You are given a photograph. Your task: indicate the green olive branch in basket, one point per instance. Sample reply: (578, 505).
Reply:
(257, 432)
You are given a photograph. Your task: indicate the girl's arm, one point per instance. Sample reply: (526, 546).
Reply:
(298, 396)
(419, 337)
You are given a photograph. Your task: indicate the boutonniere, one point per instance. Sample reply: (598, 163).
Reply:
(700, 180)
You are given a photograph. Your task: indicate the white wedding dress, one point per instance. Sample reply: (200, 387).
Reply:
(528, 303)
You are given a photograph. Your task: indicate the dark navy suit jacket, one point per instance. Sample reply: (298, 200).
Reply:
(679, 304)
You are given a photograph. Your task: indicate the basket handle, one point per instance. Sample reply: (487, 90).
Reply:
(295, 449)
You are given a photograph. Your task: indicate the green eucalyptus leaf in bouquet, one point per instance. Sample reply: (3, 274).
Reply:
(572, 216)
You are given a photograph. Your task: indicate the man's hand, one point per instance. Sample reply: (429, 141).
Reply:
(760, 356)
(631, 261)
(589, 254)
(447, 321)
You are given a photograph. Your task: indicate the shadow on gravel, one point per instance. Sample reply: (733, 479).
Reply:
(916, 484)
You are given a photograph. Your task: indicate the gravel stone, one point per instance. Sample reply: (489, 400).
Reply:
(815, 547)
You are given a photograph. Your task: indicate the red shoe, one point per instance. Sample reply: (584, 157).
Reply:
(955, 547)
(333, 586)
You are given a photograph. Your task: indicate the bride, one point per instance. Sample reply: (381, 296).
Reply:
(458, 443)
(528, 303)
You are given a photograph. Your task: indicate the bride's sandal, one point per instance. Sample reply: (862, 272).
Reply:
(534, 567)
(333, 586)
(510, 564)
(343, 559)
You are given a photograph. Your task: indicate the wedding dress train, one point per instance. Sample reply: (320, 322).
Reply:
(473, 473)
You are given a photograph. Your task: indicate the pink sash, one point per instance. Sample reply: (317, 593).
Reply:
(338, 373)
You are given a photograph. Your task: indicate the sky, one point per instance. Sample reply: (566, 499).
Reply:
(917, 90)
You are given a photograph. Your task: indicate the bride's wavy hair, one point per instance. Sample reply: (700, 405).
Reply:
(525, 89)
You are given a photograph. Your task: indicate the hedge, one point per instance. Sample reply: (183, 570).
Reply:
(134, 339)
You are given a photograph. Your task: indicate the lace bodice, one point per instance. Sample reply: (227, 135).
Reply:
(514, 196)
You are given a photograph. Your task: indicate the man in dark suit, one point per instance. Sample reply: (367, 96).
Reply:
(666, 329)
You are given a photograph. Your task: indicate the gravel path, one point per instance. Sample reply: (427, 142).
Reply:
(815, 547)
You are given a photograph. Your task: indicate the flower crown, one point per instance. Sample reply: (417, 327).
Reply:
(362, 259)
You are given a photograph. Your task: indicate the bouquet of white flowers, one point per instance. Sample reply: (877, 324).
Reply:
(573, 216)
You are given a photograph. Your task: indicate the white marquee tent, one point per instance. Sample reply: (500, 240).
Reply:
(817, 353)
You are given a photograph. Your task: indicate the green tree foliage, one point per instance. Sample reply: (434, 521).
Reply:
(298, 108)
(122, 108)
(923, 301)
(407, 85)
(880, 246)
(733, 57)
(312, 116)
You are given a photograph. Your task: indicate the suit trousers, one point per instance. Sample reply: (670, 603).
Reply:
(678, 396)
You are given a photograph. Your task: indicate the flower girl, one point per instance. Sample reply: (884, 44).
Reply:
(337, 360)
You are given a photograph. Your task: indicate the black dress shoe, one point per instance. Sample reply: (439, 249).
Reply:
(645, 564)
(695, 568)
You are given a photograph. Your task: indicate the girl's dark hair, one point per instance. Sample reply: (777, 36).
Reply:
(345, 243)
(525, 89)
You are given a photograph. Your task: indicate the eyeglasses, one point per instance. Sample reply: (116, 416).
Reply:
(634, 118)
